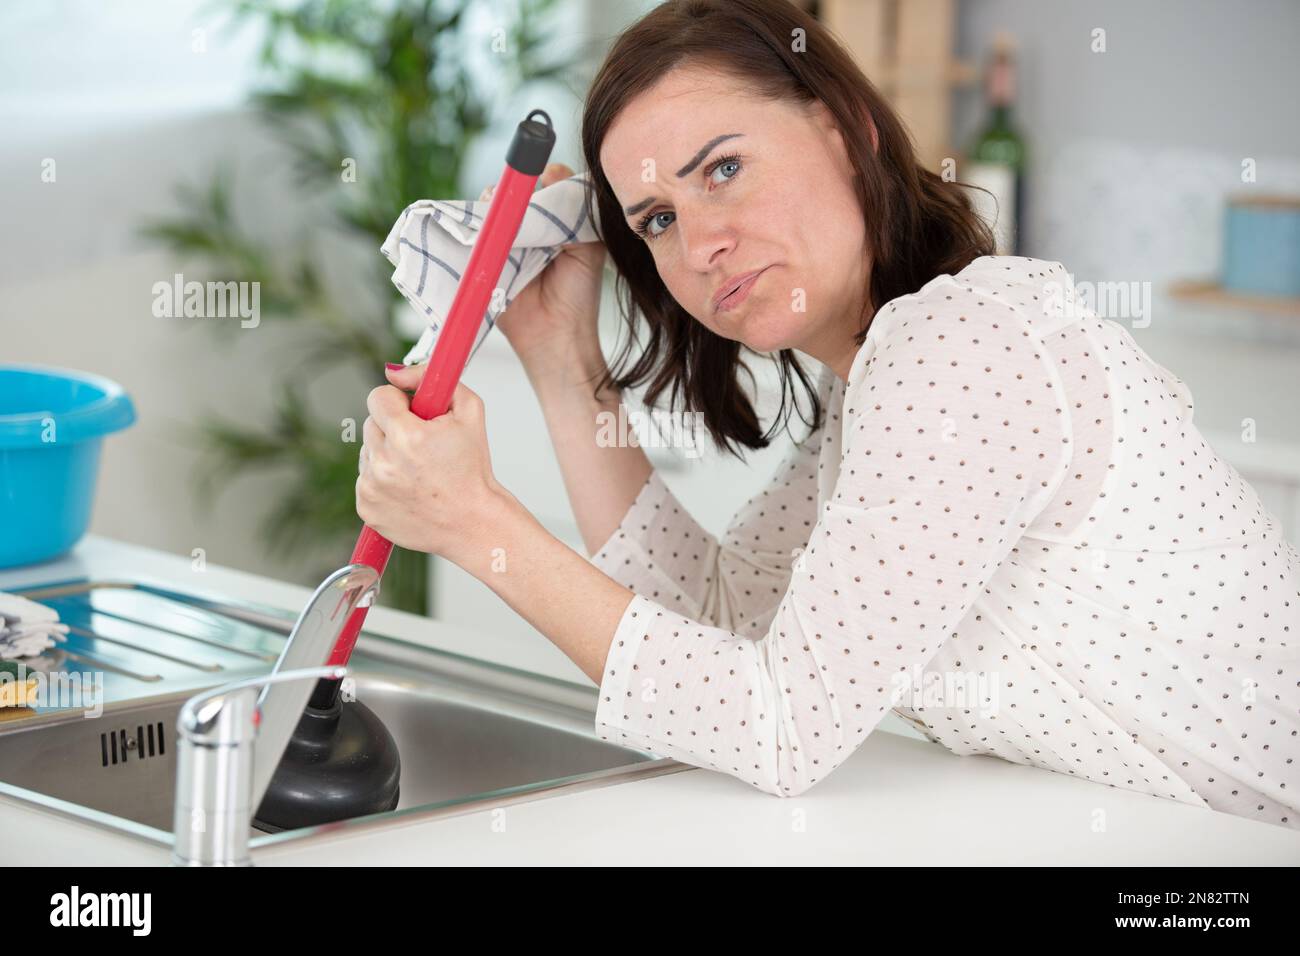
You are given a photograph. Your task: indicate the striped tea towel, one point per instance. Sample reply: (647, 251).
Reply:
(430, 244)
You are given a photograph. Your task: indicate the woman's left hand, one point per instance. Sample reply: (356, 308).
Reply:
(425, 485)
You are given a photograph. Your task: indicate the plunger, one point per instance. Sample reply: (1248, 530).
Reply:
(341, 761)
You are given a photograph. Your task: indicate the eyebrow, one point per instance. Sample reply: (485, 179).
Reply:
(685, 170)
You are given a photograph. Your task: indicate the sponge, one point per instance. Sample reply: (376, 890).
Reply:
(18, 685)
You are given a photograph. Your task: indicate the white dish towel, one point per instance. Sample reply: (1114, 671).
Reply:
(430, 244)
(27, 628)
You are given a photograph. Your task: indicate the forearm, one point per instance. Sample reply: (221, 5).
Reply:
(602, 481)
(576, 605)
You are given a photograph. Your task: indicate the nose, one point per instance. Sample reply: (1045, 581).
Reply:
(706, 237)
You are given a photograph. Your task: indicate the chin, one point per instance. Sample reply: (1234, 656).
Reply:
(767, 336)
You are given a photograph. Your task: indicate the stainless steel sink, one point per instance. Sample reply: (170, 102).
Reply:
(471, 734)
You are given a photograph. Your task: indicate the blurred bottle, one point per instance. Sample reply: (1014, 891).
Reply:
(996, 158)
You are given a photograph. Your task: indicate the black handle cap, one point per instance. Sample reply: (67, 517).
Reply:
(531, 148)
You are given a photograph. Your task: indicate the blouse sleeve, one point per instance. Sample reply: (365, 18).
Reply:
(954, 440)
(660, 551)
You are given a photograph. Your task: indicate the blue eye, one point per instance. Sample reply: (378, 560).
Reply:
(644, 227)
(724, 163)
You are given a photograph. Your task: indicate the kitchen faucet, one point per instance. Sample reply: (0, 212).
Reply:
(231, 738)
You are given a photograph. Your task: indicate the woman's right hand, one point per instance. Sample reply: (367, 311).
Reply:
(553, 321)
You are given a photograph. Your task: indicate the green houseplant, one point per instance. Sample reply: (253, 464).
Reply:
(392, 82)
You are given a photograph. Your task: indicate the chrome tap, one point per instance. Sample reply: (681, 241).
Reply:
(231, 738)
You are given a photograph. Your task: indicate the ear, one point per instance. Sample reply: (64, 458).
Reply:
(824, 116)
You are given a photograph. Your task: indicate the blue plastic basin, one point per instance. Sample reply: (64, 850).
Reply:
(52, 423)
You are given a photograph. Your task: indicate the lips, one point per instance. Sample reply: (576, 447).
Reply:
(727, 297)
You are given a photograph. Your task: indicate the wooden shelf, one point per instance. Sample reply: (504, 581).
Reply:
(893, 78)
(1209, 293)
(905, 48)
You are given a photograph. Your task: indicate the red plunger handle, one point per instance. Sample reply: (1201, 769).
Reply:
(525, 161)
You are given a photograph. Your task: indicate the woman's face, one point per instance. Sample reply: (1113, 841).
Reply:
(723, 184)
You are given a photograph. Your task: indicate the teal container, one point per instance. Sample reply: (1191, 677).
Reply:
(52, 425)
(1261, 248)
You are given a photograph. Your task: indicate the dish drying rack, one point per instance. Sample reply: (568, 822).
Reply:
(146, 638)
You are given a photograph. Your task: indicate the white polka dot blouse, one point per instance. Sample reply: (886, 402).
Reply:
(1008, 532)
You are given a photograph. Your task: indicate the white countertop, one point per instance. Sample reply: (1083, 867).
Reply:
(896, 801)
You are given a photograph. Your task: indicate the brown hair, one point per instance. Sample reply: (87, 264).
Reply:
(920, 226)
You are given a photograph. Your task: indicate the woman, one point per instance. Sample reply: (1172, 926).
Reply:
(1003, 525)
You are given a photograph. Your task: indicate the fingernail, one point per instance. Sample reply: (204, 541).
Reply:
(394, 366)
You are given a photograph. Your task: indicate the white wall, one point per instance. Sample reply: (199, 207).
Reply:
(128, 100)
